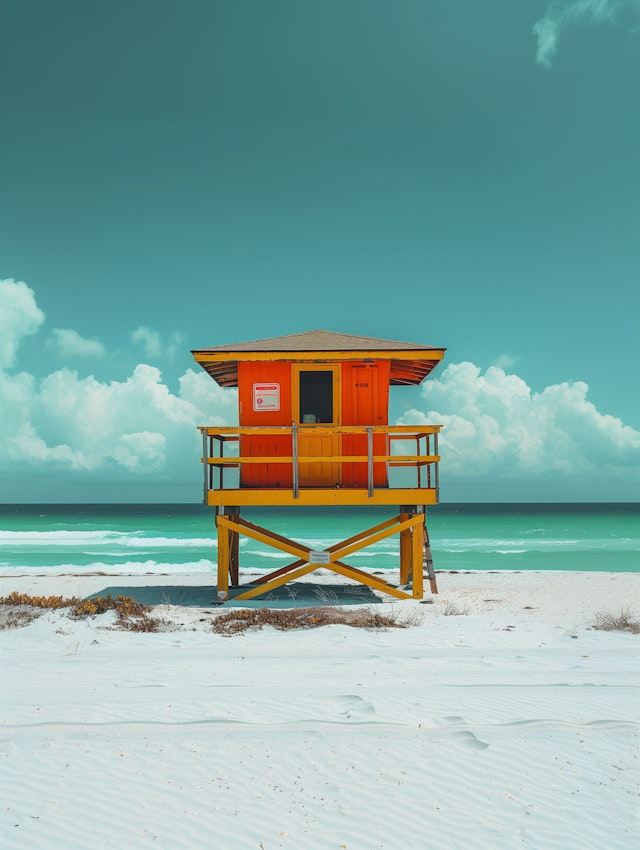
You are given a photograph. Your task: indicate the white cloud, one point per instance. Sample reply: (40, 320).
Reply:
(137, 425)
(69, 343)
(153, 344)
(19, 317)
(506, 361)
(120, 429)
(149, 339)
(496, 427)
(561, 13)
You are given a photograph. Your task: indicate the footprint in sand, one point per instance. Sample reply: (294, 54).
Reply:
(468, 739)
(352, 707)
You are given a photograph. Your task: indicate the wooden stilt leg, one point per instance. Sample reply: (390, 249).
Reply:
(234, 553)
(223, 563)
(427, 557)
(405, 548)
(416, 561)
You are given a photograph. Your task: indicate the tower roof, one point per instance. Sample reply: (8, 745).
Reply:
(410, 362)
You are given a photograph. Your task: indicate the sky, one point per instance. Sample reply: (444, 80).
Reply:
(461, 174)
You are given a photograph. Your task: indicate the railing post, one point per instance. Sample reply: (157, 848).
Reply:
(294, 455)
(435, 447)
(205, 468)
(370, 461)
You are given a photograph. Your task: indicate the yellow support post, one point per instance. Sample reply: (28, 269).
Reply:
(405, 550)
(234, 553)
(223, 560)
(416, 565)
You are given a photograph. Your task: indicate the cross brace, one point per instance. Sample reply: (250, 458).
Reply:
(415, 555)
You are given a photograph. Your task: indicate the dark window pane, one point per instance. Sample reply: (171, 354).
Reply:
(316, 397)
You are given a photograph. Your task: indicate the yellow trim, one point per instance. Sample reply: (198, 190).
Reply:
(296, 369)
(319, 356)
(399, 432)
(317, 496)
(394, 460)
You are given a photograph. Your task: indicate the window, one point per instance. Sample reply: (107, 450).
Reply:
(316, 396)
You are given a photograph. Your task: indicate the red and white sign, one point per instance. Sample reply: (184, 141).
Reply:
(266, 397)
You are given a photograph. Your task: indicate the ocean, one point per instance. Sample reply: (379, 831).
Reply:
(156, 538)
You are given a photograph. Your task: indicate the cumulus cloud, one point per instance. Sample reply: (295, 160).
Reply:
(19, 317)
(562, 13)
(154, 347)
(69, 343)
(495, 426)
(79, 423)
(66, 421)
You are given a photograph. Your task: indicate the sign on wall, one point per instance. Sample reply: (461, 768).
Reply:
(266, 397)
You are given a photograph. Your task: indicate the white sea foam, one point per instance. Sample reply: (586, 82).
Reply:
(511, 551)
(28, 538)
(461, 544)
(123, 568)
(108, 538)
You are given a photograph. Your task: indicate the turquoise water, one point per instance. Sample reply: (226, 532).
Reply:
(181, 538)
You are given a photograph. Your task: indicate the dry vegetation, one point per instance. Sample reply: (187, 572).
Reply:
(19, 609)
(625, 621)
(284, 619)
(452, 610)
(16, 618)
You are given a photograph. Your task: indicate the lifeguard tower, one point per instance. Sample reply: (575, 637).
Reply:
(313, 430)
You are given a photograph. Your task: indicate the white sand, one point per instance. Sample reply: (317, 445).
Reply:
(511, 725)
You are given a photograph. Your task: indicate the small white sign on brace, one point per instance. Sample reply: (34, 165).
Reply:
(319, 557)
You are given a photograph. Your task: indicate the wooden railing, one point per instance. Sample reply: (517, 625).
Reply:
(425, 460)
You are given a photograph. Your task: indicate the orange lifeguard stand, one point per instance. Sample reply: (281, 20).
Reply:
(313, 430)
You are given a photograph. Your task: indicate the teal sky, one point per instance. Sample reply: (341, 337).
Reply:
(459, 173)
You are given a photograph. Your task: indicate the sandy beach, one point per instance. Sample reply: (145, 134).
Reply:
(497, 719)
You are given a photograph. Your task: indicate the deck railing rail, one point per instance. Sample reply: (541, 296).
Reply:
(425, 459)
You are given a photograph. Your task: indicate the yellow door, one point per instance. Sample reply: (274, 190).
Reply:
(316, 404)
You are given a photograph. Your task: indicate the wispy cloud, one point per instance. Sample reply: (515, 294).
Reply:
(506, 361)
(69, 343)
(149, 339)
(562, 13)
(154, 346)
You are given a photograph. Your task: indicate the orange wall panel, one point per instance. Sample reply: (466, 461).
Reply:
(266, 374)
(365, 401)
